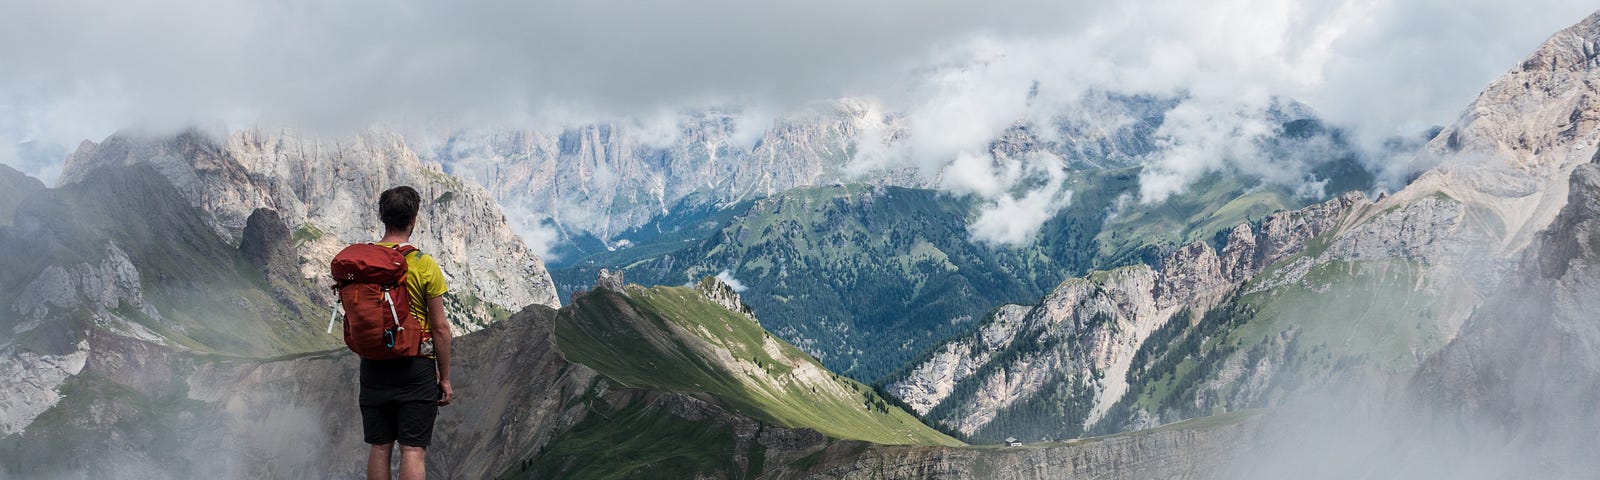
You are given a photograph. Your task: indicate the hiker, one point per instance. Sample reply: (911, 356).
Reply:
(405, 357)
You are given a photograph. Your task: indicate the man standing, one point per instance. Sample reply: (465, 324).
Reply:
(401, 397)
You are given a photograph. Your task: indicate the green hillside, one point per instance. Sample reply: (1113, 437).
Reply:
(675, 339)
(1215, 203)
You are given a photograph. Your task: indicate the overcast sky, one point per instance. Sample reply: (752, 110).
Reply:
(73, 70)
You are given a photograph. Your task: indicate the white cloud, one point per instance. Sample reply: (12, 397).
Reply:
(727, 278)
(1012, 220)
(539, 233)
(1201, 136)
(1023, 197)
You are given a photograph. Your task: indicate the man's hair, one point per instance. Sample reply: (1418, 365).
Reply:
(398, 207)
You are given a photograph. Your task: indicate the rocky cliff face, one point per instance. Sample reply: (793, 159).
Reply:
(725, 296)
(122, 252)
(325, 191)
(936, 376)
(1085, 334)
(1079, 351)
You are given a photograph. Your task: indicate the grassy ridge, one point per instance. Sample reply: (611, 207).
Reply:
(674, 339)
(633, 441)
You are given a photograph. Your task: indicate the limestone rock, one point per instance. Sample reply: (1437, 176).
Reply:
(611, 280)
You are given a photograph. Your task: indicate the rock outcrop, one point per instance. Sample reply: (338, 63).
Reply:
(721, 294)
(938, 374)
(613, 280)
(36, 380)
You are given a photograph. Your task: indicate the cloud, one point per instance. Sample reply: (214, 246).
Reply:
(956, 73)
(727, 278)
(1201, 136)
(319, 64)
(537, 231)
(1014, 219)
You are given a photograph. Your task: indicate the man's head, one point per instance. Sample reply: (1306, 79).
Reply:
(398, 208)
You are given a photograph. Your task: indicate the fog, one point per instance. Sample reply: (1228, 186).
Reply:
(1512, 395)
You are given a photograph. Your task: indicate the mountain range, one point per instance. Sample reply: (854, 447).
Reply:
(802, 318)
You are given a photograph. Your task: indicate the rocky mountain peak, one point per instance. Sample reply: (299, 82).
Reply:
(1513, 149)
(1576, 48)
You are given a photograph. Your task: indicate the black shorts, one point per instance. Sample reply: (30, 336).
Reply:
(399, 401)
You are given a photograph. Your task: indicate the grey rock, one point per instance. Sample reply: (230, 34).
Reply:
(722, 294)
(330, 186)
(611, 280)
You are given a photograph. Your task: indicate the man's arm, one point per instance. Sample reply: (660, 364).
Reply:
(441, 346)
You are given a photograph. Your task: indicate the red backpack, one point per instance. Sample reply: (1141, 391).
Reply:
(370, 281)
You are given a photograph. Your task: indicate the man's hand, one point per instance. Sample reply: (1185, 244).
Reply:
(441, 347)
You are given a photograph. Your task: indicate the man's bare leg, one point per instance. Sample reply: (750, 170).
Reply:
(378, 461)
(413, 463)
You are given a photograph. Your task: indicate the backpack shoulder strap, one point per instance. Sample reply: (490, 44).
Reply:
(406, 249)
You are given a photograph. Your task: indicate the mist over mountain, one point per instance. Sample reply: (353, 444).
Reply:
(1337, 295)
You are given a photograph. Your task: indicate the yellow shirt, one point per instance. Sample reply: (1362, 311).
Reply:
(424, 280)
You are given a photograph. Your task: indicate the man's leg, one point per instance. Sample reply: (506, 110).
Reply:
(413, 463)
(379, 425)
(415, 434)
(378, 461)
